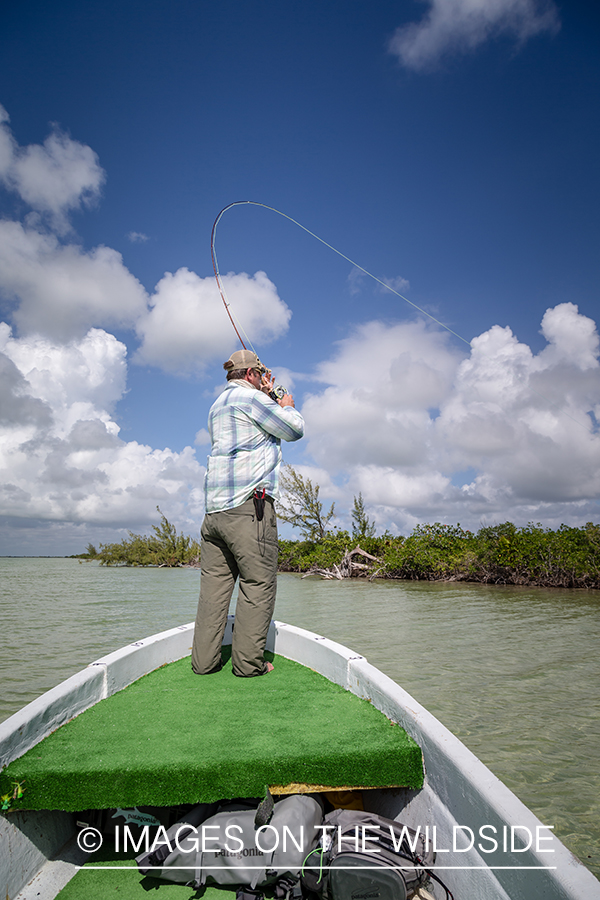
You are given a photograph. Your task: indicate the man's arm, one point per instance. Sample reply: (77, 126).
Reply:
(281, 418)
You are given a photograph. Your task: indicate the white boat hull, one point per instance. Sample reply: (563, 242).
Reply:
(38, 858)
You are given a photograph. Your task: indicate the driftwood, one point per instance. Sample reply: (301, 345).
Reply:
(349, 567)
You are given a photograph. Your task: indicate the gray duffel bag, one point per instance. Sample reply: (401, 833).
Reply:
(231, 848)
(367, 856)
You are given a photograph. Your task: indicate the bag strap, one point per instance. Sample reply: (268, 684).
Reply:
(322, 859)
(287, 888)
(248, 893)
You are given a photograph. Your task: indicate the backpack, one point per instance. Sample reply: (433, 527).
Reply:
(234, 846)
(344, 869)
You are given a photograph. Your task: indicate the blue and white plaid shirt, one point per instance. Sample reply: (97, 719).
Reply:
(246, 429)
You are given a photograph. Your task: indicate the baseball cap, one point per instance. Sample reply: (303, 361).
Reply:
(244, 359)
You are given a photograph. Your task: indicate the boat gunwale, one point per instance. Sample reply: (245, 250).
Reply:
(457, 782)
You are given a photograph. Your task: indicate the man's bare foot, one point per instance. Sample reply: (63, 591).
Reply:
(270, 667)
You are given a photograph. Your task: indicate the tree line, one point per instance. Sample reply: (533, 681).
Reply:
(498, 554)
(163, 548)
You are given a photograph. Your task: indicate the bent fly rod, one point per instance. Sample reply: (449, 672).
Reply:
(388, 287)
(227, 305)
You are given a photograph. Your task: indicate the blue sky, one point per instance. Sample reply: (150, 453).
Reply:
(449, 147)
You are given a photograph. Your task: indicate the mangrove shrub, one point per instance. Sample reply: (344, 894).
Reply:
(162, 548)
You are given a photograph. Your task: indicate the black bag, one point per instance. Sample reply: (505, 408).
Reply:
(344, 868)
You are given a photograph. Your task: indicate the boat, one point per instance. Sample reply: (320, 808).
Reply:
(487, 843)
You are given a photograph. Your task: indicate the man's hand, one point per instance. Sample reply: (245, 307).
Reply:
(287, 400)
(267, 382)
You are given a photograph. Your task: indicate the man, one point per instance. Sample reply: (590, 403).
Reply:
(239, 531)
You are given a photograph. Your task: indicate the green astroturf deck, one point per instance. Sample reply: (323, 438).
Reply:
(126, 883)
(173, 737)
(119, 877)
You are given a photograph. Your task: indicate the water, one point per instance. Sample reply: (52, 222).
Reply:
(513, 672)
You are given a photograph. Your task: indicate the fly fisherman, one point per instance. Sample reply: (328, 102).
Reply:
(239, 531)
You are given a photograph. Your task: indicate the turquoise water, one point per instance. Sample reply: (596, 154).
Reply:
(513, 672)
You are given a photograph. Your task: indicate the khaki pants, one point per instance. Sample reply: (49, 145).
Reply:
(235, 544)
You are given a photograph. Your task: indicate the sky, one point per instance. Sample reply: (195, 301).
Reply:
(448, 147)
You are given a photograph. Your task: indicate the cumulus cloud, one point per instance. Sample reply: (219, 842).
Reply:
(55, 178)
(572, 339)
(17, 406)
(522, 420)
(78, 380)
(60, 290)
(403, 414)
(186, 326)
(61, 457)
(382, 384)
(460, 26)
(55, 289)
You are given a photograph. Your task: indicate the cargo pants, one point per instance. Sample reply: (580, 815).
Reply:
(234, 544)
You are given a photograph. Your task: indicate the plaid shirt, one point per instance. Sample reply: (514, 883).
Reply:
(246, 428)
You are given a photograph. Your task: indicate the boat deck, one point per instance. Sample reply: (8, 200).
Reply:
(105, 876)
(173, 737)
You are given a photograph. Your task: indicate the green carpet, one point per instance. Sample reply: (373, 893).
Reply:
(126, 883)
(173, 737)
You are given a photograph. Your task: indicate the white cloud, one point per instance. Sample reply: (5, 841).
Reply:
(187, 327)
(61, 289)
(398, 284)
(57, 290)
(460, 26)
(390, 487)
(355, 281)
(17, 406)
(356, 278)
(572, 338)
(522, 419)
(322, 477)
(78, 380)
(403, 412)
(57, 177)
(8, 145)
(137, 237)
(382, 382)
(61, 457)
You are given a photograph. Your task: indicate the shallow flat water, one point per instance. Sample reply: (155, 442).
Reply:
(513, 672)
